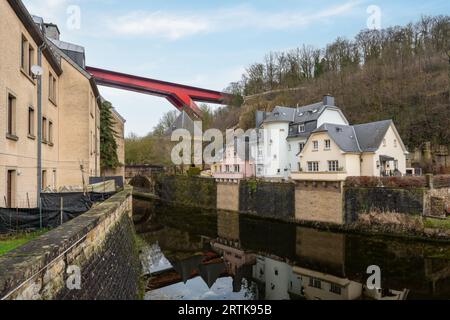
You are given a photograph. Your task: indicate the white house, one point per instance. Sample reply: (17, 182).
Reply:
(284, 132)
(335, 152)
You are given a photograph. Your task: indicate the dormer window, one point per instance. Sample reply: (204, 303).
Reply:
(301, 128)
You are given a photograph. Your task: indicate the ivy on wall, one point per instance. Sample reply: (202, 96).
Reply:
(108, 143)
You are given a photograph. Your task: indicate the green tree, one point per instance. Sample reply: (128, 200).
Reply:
(108, 143)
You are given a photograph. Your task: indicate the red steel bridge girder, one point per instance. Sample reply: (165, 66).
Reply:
(181, 96)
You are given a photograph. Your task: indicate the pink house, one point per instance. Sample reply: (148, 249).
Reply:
(233, 167)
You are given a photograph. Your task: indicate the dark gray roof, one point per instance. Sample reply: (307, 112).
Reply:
(58, 52)
(303, 114)
(343, 136)
(280, 114)
(309, 113)
(360, 138)
(371, 135)
(73, 51)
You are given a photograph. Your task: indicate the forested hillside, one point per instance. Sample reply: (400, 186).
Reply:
(401, 73)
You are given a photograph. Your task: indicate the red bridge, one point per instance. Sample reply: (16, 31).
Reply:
(181, 96)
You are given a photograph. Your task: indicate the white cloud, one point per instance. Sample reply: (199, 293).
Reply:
(157, 23)
(173, 26)
(50, 10)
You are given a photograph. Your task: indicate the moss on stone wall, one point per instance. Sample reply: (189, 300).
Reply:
(267, 199)
(188, 191)
(364, 200)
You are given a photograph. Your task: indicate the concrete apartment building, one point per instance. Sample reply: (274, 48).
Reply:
(70, 110)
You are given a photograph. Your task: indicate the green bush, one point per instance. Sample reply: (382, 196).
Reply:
(194, 172)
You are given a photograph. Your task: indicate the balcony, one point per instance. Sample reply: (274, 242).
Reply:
(320, 176)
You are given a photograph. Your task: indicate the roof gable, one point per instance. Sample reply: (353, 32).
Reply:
(371, 135)
(366, 137)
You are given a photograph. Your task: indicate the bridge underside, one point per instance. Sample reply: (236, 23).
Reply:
(181, 96)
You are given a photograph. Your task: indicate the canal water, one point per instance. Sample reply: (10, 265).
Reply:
(198, 254)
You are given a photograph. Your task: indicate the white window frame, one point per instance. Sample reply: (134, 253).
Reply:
(313, 166)
(301, 128)
(315, 145)
(333, 166)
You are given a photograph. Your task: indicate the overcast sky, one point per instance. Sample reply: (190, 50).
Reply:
(206, 43)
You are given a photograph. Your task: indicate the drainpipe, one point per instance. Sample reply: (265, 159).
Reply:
(39, 137)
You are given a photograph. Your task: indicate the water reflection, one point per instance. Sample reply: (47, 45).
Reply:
(196, 254)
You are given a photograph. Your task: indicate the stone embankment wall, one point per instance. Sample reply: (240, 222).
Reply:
(187, 191)
(267, 199)
(319, 202)
(99, 246)
(333, 202)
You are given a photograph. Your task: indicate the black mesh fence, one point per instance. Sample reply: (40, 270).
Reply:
(57, 208)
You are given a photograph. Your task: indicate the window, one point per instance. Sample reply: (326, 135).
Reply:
(11, 188)
(315, 283)
(299, 167)
(54, 179)
(313, 166)
(301, 128)
(50, 132)
(44, 130)
(237, 168)
(315, 145)
(333, 166)
(395, 143)
(227, 168)
(327, 144)
(52, 88)
(11, 125)
(31, 122)
(30, 59)
(335, 289)
(44, 179)
(23, 61)
(301, 146)
(384, 143)
(92, 106)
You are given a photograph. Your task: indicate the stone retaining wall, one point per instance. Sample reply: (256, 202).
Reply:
(319, 202)
(99, 244)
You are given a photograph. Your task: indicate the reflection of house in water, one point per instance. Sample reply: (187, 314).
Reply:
(321, 286)
(278, 278)
(328, 252)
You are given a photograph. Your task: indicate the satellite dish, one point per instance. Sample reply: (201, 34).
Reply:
(37, 71)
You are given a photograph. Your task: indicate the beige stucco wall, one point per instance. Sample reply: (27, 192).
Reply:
(392, 150)
(319, 201)
(21, 155)
(80, 143)
(354, 164)
(70, 116)
(228, 196)
(322, 156)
